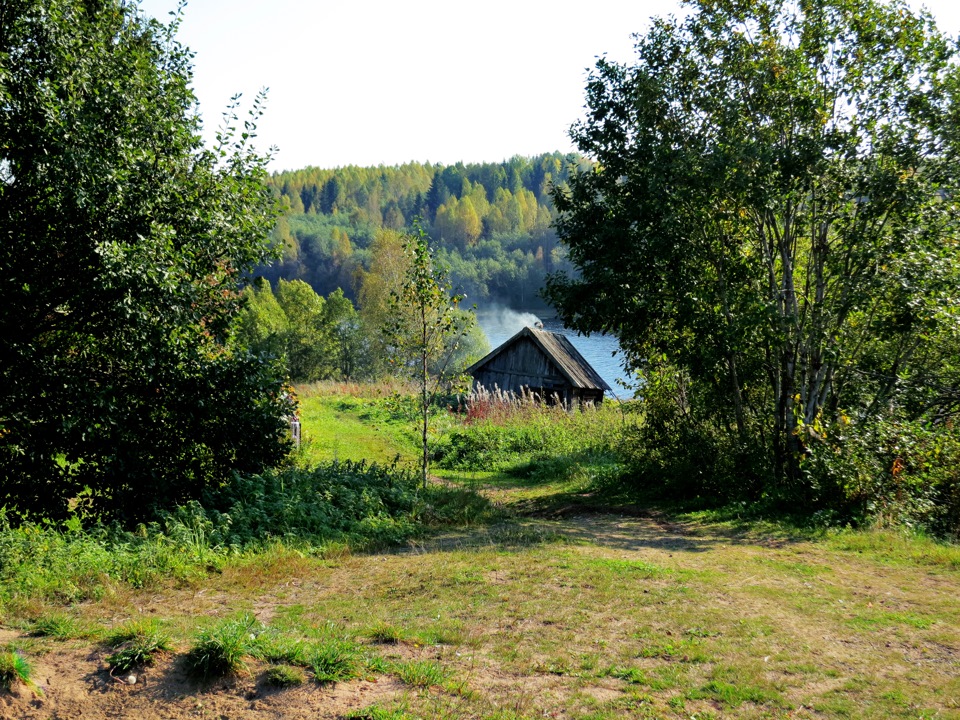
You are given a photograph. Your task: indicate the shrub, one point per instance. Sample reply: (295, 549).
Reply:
(331, 501)
(891, 472)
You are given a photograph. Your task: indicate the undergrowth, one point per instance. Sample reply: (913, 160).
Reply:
(527, 439)
(335, 505)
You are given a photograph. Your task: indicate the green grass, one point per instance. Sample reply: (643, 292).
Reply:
(137, 645)
(224, 648)
(517, 595)
(342, 427)
(14, 668)
(422, 673)
(59, 626)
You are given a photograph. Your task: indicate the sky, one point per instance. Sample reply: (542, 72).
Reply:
(371, 82)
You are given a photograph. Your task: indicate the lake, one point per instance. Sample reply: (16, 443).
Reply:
(601, 351)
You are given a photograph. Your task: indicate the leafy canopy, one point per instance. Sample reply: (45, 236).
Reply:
(770, 230)
(124, 242)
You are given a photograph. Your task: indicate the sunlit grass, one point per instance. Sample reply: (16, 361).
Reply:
(551, 604)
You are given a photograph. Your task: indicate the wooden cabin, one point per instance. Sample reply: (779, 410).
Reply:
(544, 363)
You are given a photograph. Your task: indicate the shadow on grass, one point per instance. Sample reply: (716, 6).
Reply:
(526, 511)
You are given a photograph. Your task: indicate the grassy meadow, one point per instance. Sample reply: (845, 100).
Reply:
(524, 583)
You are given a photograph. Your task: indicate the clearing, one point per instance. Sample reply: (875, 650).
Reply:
(565, 609)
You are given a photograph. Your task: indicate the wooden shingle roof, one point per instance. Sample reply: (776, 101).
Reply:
(560, 351)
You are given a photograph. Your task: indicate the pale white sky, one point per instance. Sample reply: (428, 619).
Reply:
(369, 82)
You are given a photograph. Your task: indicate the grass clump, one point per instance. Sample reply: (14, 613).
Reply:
(58, 626)
(137, 645)
(278, 648)
(283, 676)
(14, 668)
(223, 649)
(386, 634)
(335, 660)
(421, 673)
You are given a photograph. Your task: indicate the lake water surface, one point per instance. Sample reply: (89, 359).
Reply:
(601, 351)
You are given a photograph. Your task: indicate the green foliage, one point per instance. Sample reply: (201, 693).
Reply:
(893, 472)
(529, 439)
(68, 564)
(14, 668)
(678, 450)
(425, 329)
(137, 645)
(363, 505)
(770, 232)
(334, 501)
(335, 660)
(124, 243)
(224, 648)
(316, 338)
(491, 221)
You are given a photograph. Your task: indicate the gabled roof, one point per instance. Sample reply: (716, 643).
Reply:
(560, 351)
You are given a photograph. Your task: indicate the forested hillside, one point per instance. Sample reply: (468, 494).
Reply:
(490, 222)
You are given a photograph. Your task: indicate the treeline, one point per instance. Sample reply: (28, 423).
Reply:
(490, 222)
(323, 338)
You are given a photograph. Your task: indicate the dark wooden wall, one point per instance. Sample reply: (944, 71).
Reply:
(522, 365)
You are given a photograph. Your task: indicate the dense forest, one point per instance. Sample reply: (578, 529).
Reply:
(491, 223)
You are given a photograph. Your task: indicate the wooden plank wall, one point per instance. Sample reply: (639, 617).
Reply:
(521, 365)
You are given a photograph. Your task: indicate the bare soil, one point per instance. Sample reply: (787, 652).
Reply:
(77, 685)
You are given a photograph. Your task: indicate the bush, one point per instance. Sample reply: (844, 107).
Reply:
(688, 448)
(334, 501)
(891, 472)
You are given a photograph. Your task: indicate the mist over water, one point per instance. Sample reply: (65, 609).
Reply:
(500, 323)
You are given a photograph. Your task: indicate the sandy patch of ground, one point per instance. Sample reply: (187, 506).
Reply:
(76, 685)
